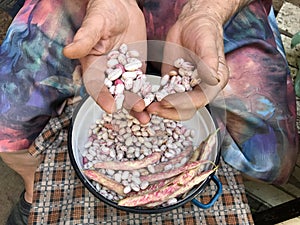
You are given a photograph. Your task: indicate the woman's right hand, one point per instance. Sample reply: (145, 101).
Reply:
(106, 25)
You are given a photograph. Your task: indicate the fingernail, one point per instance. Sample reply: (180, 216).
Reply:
(215, 75)
(218, 79)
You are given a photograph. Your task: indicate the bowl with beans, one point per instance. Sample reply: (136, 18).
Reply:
(142, 168)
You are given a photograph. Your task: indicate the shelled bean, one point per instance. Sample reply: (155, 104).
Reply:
(124, 72)
(115, 149)
(135, 164)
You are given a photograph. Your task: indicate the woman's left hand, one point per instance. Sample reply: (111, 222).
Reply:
(199, 30)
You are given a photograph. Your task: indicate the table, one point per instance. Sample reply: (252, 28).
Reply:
(61, 198)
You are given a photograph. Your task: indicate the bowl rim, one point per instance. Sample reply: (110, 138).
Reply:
(140, 210)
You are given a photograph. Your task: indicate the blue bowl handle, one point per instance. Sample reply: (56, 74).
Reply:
(214, 198)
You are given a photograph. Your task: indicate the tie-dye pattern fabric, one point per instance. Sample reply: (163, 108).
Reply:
(261, 138)
(260, 104)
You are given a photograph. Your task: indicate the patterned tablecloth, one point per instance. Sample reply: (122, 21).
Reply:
(61, 198)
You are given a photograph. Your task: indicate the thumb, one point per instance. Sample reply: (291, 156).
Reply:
(211, 91)
(86, 37)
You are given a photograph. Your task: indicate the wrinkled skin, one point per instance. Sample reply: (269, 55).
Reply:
(198, 28)
(106, 25)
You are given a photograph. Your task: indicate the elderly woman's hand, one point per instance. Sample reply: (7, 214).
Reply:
(199, 28)
(106, 25)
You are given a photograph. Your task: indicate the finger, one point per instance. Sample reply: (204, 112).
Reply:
(207, 64)
(87, 37)
(172, 51)
(133, 102)
(179, 106)
(211, 92)
(143, 116)
(106, 101)
(223, 71)
(101, 95)
(136, 105)
(207, 52)
(205, 73)
(99, 92)
(159, 109)
(93, 79)
(205, 61)
(165, 109)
